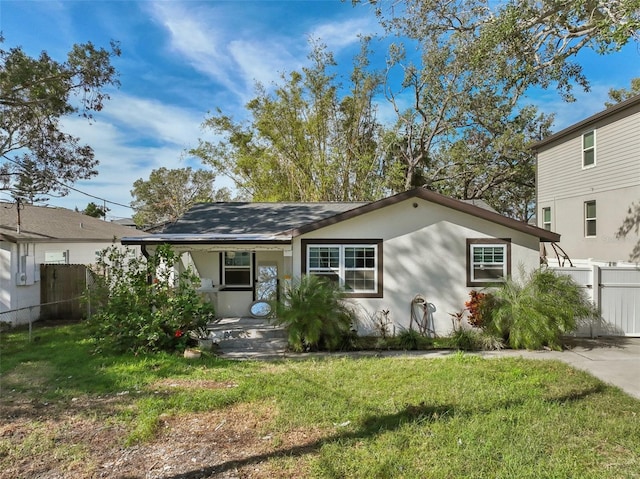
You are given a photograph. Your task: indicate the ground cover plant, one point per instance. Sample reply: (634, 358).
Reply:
(66, 411)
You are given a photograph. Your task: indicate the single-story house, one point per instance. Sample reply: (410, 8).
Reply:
(35, 235)
(385, 253)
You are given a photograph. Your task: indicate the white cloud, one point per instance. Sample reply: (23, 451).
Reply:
(345, 34)
(130, 137)
(154, 119)
(197, 36)
(211, 41)
(263, 62)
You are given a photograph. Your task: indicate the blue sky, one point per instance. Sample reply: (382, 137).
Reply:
(182, 59)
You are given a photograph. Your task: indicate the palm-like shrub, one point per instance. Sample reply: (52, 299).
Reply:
(314, 313)
(538, 311)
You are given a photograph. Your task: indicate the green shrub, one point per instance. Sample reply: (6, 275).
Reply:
(411, 340)
(141, 304)
(315, 316)
(538, 311)
(467, 339)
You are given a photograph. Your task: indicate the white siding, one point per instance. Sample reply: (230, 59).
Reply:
(614, 183)
(14, 296)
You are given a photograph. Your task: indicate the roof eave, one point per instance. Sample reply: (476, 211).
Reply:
(576, 127)
(29, 239)
(432, 196)
(201, 239)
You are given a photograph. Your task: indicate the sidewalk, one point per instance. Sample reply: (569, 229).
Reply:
(615, 361)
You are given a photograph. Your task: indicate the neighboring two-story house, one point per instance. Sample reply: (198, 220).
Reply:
(588, 175)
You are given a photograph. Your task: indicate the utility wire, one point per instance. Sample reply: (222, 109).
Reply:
(71, 187)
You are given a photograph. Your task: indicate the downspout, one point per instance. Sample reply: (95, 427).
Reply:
(145, 253)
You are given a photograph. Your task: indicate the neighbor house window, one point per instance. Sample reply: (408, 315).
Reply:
(546, 218)
(589, 149)
(237, 269)
(488, 261)
(356, 267)
(56, 257)
(590, 218)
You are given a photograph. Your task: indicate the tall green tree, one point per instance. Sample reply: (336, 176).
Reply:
(35, 94)
(168, 194)
(622, 94)
(530, 42)
(461, 124)
(493, 161)
(306, 141)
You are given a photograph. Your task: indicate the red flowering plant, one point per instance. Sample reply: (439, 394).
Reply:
(478, 308)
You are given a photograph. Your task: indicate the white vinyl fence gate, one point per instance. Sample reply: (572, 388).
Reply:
(615, 290)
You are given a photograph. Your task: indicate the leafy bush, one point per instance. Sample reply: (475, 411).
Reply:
(478, 307)
(142, 304)
(409, 339)
(538, 311)
(314, 314)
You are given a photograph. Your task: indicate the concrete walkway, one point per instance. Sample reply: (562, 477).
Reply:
(615, 361)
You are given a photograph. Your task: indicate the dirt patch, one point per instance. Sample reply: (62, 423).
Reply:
(81, 440)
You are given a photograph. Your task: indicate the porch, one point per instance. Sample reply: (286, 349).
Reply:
(235, 270)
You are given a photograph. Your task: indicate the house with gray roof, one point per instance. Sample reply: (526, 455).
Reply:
(35, 235)
(385, 254)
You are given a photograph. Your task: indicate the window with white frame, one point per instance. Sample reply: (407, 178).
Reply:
(237, 269)
(488, 261)
(590, 218)
(56, 257)
(589, 149)
(546, 218)
(355, 267)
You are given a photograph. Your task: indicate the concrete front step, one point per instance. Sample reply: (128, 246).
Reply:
(248, 337)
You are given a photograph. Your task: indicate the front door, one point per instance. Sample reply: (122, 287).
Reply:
(267, 282)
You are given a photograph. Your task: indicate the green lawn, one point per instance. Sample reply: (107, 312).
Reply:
(462, 416)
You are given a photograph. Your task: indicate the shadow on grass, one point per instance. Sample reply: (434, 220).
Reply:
(61, 364)
(374, 425)
(605, 342)
(371, 427)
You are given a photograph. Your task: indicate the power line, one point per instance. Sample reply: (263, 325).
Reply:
(92, 196)
(104, 200)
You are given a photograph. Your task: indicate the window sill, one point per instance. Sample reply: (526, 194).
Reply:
(363, 295)
(236, 288)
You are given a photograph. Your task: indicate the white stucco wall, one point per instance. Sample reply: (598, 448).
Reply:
(234, 303)
(424, 252)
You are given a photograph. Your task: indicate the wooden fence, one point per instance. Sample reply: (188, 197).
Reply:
(61, 290)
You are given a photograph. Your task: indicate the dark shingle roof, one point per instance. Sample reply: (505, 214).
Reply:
(216, 223)
(237, 218)
(41, 223)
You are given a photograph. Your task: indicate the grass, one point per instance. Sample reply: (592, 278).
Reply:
(461, 416)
